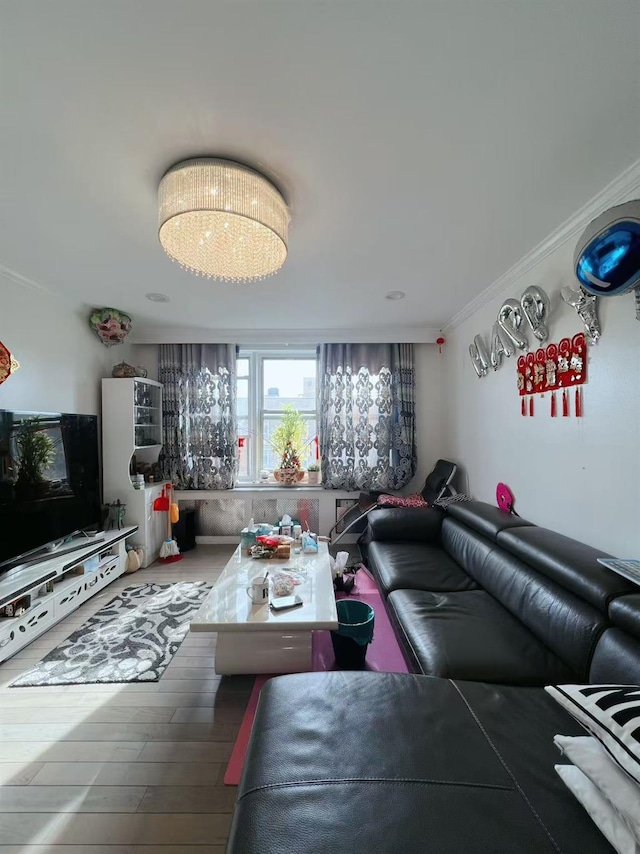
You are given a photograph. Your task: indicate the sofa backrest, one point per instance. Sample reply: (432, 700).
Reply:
(468, 548)
(553, 584)
(569, 562)
(486, 519)
(616, 659)
(405, 525)
(559, 618)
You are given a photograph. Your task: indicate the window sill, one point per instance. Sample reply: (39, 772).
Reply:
(270, 488)
(274, 485)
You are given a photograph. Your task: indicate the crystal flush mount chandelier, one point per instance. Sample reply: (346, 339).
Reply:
(222, 220)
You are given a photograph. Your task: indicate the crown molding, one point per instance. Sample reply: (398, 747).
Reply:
(280, 337)
(621, 189)
(23, 281)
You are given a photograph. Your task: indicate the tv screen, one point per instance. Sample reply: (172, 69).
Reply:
(49, 480)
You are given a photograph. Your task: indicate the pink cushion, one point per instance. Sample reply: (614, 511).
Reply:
(415, 500)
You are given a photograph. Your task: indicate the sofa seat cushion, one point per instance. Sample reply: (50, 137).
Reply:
(470, 635)
(416, 566)
(363, 762)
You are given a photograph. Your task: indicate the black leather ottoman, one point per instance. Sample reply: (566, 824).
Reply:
(397, 763)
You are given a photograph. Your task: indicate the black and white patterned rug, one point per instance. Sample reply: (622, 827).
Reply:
(132, 639)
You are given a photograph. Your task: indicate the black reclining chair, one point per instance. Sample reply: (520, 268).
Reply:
(436, 486)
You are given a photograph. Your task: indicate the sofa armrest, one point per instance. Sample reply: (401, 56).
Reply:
(405, 524)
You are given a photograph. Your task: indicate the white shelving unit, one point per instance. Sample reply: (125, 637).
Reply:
(132, 424)
(70, 589)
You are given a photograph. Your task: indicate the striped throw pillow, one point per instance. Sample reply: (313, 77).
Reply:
(609, 712)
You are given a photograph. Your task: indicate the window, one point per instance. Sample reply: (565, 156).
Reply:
(267, 381)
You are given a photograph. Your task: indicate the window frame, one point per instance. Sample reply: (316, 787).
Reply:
(256, 409)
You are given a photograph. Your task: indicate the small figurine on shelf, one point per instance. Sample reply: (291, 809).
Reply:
(117, 512)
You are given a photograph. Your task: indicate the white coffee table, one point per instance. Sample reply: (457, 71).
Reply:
(255, 639)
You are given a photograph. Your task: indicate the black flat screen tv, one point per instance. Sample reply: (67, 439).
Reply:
(49, 481)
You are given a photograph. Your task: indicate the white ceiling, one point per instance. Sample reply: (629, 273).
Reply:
(423, 146)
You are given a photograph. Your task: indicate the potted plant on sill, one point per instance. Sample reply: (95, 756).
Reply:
(289, 441)
(313, 473)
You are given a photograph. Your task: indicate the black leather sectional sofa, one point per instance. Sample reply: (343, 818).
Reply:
(457, 757)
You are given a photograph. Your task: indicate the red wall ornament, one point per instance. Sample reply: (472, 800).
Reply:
(556, 367)
(8, 364)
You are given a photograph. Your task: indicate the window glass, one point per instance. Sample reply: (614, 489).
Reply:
(266, 383)
(289, 381)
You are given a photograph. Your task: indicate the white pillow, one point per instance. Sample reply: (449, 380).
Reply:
(611, 713)
(618, 788)
(604, 816)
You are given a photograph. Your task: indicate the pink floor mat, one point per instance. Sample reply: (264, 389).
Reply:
(384, 655)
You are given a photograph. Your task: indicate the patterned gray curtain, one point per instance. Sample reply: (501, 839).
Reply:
(199, 424)
(367, 416)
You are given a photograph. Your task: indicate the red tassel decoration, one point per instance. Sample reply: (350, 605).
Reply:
(523, 406)
(553, 404)
(531, 407)
(578, 403)
(565, 403)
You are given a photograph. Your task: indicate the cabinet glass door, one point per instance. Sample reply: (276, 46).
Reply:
(147, 414)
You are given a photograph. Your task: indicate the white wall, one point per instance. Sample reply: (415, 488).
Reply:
(146, 356)
(577, 476)
(61, 359)
(429, 415)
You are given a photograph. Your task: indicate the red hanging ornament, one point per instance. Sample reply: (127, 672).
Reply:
(553, 404)
(523, 406)
(531, 407)
(440, 341)
(578, 403)
(8, 364)
(565, 403)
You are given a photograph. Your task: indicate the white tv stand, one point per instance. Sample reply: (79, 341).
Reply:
(70, 589)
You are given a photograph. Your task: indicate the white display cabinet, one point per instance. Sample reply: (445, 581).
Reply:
(132, 425)
(58, 585)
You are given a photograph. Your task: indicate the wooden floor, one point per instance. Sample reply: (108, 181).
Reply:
(109, 769)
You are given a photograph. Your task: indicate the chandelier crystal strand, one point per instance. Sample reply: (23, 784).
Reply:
(222, 220)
